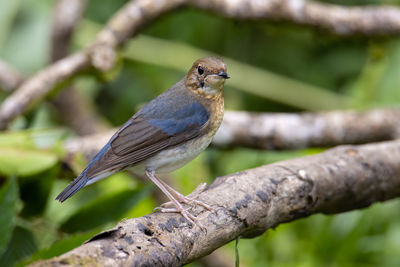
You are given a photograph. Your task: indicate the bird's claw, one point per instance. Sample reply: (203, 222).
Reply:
(185, 213)
(198, 202)
(191, 202)
(188, 201)
(167, 205)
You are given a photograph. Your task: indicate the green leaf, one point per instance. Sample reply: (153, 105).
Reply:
(33, 139)
(35, 191)
(60, 247)
(23, 162)
(21, 139)
(104, 210)
(21, 245)
(8, 210)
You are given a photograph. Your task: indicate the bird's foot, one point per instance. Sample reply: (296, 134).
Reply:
(184, 212)
(176, 199)
(191, 201)
(186, 200)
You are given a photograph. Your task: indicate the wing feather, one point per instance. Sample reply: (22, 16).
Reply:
(140, 138)
(136, 135)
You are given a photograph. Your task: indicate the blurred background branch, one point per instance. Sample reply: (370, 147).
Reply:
(130, 19)
(248, 203)
(76, 110)
(279, 131)
(340, 20)
(66, 16)
(9, 77)
(296, 131)
(35, 88)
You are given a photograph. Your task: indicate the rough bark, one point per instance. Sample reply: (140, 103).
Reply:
(248, 203)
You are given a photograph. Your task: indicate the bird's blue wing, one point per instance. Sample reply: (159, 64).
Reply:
(189, 117)
(154, 131)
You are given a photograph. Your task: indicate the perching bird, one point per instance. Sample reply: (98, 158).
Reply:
(165, 134)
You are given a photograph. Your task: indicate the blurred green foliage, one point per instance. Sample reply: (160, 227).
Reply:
(275, 67)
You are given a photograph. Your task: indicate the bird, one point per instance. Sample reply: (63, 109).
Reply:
(165, 134)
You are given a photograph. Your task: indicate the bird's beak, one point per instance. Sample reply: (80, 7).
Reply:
(223, 74)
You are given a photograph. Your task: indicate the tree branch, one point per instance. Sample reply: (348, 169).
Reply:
(9, 78)
(66, 15)
(35, 88)
(101, 54)
(276, 131)
(248, 203)
(340, 20)
(75, 110)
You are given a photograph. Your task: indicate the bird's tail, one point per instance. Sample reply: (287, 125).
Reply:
(73, 187)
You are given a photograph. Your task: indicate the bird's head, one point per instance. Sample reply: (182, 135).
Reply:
(207, 77)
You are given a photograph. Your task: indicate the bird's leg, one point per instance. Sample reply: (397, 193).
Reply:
(184, 199)
(178, 207)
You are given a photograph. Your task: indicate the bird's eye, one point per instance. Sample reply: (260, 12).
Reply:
(200, 70)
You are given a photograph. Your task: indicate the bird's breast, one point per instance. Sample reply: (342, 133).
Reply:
(216, 110)
(173, 158)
